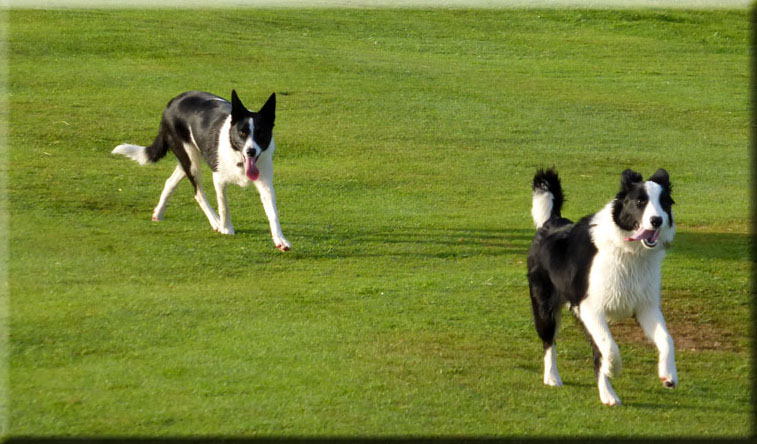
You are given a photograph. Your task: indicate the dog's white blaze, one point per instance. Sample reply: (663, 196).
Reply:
(250, 144)
(653, 207)
(541, 208)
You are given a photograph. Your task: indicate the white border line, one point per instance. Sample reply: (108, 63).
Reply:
(4, 230)
(142, 4)
(487, 4)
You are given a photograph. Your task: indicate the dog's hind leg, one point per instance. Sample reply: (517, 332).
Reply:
(551, 375)
(547, 318)
(171, 183)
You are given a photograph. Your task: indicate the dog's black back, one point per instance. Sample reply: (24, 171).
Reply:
(558, 262)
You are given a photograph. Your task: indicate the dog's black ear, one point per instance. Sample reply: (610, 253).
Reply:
(268, 111)
(661, 177)
(238, 111)
(628, 178)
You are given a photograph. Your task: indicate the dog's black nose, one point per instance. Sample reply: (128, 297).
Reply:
(656, 221)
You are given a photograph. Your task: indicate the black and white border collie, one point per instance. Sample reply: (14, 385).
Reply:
(236, 143)
(604, 267)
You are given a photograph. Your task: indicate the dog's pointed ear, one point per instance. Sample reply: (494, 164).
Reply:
(661, 177)
(628, 178)
(268, 111)
(238, 111)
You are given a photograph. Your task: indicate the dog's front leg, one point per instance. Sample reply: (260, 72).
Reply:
(264, 185)
(207, 209)
(653, 324)
(596, 325)
(610, 364)
(224, 218)
(191, 164)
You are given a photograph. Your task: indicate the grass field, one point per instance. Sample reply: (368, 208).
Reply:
(406, 141)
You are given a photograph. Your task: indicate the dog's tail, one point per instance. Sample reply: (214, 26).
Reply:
(547, 197)
(146, 154)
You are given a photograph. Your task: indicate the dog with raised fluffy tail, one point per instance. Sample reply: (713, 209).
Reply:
(604, 267)
(236, 143)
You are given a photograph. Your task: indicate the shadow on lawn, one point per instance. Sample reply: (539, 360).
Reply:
(414, 241)
(455, 242)
(713, 245)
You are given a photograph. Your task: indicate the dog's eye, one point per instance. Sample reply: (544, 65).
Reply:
(244, 133)
(641, 202)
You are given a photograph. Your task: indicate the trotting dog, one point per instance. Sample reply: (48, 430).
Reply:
(604, 267)
(236, 143)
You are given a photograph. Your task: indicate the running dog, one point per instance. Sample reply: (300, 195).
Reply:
(604, 267)
(236, 143)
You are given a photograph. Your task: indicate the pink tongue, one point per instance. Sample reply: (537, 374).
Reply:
(250, 169)
(650, 235)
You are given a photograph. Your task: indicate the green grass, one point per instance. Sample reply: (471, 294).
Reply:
(406, 140)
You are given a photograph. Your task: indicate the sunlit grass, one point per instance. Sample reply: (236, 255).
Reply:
(406, 141)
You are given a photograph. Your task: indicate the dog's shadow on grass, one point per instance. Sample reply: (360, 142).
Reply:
(336, 242)
(409, 241)
(712, 245)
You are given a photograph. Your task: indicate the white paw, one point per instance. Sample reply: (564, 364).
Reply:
(215, 225)
(282, 244)
(668, 374)
(157, 217)
(611, 401)
(225, 230)
(606, 393)
(553, 380)
(670, 382)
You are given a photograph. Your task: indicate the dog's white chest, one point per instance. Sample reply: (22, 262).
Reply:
(621, 283)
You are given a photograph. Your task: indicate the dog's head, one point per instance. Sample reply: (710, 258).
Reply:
(645, 208)
(251, 133)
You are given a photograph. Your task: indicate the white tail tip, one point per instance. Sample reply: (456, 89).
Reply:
(541, 210)
(135, 152)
